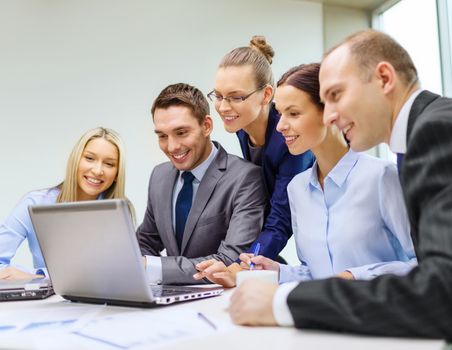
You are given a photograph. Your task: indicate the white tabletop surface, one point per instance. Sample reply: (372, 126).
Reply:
(238, 337)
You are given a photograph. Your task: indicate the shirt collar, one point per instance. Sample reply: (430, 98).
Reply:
(397, 142)
(201, 169)
(340, 171)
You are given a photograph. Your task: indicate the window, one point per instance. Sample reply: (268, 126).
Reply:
(414, 24)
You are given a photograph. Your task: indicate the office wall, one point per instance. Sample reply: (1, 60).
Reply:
(339, 22)
(67, 66)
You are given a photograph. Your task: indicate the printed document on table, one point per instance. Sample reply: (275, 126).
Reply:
(151, 329)
(50, 319)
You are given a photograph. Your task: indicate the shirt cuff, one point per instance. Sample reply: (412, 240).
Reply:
(283, 273)
(154, 269)
(281, 310)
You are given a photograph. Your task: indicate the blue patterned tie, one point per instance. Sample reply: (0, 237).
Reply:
(183, 205)
(399, 161)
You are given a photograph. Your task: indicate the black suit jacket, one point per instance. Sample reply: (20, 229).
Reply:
(419, 304)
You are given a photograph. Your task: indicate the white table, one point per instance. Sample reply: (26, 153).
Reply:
(239, 337)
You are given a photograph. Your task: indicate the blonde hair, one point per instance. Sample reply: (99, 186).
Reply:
(259, 54)
(68, 188)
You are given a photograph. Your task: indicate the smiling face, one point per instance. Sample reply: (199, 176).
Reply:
(184, 141)
(358, 107)
(301, 120)
(239, 81)
(97, 168)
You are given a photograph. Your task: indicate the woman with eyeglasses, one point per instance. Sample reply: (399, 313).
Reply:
(348, 213)
(243, 96)
(95, 170)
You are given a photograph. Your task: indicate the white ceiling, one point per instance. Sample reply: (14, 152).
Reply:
(357, 4)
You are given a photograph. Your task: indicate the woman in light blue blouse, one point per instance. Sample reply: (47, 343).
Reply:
(95, 170)
(348, 214)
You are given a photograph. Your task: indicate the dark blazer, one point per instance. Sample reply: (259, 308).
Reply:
(419, 304)
(225, 218)
(278, 168)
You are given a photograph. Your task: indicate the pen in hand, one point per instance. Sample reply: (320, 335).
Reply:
(255, 253)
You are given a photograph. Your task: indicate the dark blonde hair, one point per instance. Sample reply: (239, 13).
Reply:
(183, 95)
(370, 47)
(259, 55)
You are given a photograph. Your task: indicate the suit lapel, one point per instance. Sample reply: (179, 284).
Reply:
(244, 144)
(210, 179)
(405, 174)
(167, 207)
(419, 104)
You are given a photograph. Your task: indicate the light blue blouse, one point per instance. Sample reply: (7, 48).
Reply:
(17, 227)
(357, 223)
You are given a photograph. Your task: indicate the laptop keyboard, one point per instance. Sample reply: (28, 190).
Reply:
(164, 291)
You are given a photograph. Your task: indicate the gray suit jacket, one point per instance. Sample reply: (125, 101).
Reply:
(419, 304)
(225, 218)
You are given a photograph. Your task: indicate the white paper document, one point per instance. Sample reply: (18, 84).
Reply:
(50, 319)
(151, 329)
(46, 328)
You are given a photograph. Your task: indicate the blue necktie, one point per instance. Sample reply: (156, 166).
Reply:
(183, 205)
(399, 161)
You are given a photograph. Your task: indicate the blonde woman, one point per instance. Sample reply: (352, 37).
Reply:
(242, 97)
(95, 170)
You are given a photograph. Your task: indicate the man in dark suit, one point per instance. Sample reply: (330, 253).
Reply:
(371, 92)
(204, 203)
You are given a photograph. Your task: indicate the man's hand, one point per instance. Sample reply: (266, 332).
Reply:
(252, 303)
(12, 273)
(217, 272)
(144, 262)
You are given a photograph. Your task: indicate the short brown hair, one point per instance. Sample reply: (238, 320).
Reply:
(304, 77)
(370, 47)
(259, 55)
(183, 95)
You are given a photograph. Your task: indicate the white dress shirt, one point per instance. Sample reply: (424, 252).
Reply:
(397, 142)
(154, 263)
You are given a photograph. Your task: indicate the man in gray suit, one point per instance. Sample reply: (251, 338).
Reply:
(204, 203)
(371, 92)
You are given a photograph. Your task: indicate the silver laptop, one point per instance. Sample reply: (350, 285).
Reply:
(28, 289)
(92, 255)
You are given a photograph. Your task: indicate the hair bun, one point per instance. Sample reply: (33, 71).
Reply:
(259, 43)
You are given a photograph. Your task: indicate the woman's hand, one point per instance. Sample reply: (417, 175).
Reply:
(346, 275)
(13, 273)
(260, 262)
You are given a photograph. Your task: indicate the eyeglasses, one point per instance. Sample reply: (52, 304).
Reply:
(233, 99)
